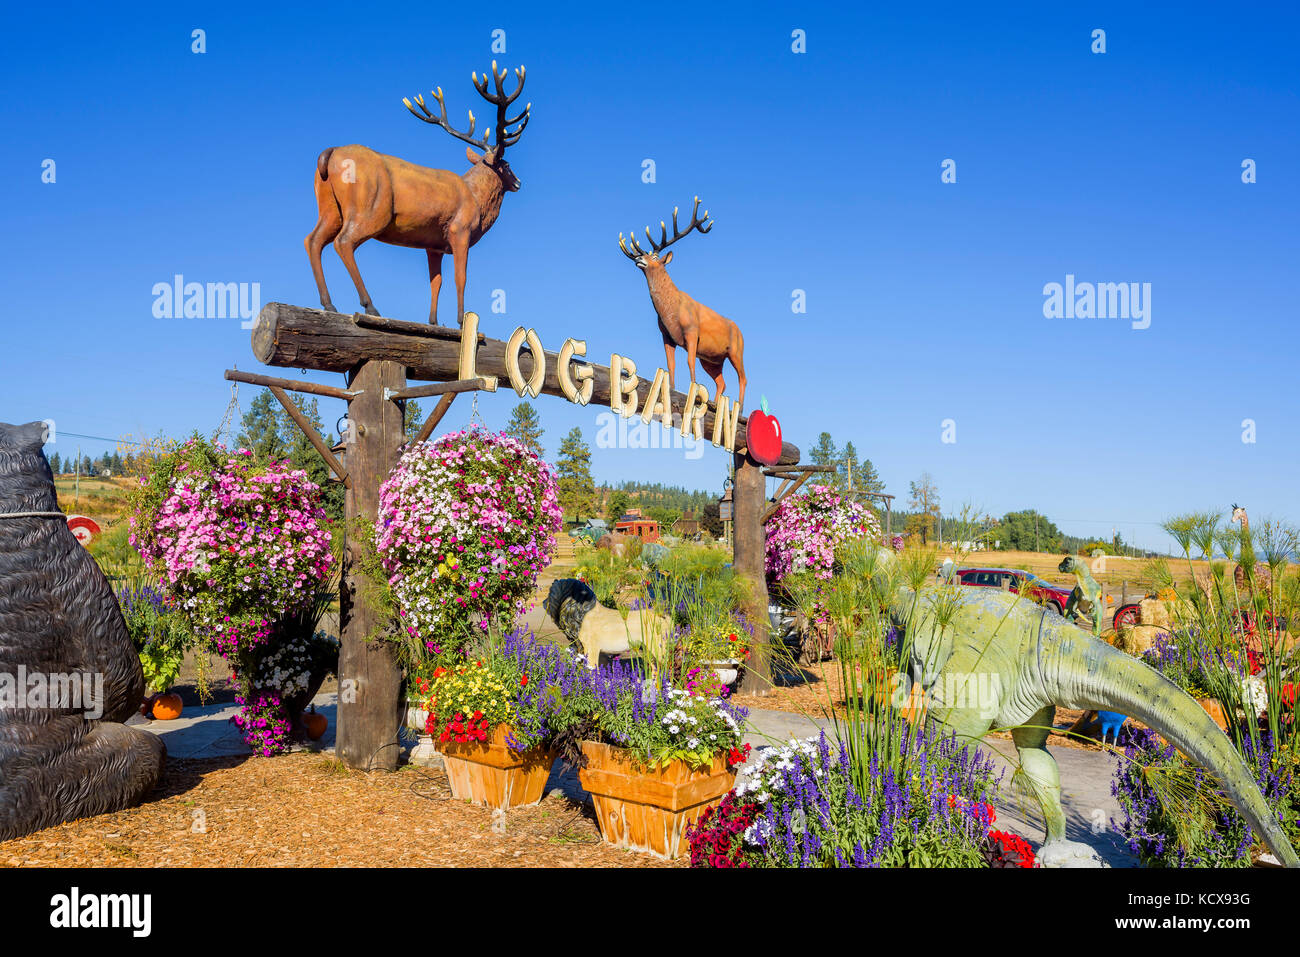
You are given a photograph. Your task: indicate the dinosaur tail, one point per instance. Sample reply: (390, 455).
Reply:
(1090, 674)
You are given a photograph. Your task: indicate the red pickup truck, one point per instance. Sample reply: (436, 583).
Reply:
(1013, 579)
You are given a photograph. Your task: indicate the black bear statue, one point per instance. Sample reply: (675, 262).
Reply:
(69, 673)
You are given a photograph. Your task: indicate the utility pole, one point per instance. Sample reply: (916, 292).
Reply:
(1035, 531)
(76, 482)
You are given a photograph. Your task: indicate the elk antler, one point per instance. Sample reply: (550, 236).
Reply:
(703, 225)
(504, 135)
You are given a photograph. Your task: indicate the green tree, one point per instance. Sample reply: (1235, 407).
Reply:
(618, 504)
(1028, 531)
(868, 479)
(412, 418)
(924, 502)
(56, 466)
(262, 429)
(710, 520)
(303, 455)
(825, 453)
(576, 487)
(526, 426)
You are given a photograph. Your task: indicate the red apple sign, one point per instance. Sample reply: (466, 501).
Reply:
(763, 435)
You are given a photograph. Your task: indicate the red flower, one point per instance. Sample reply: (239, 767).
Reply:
(523, 682)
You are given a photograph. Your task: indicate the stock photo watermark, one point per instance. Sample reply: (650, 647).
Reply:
(1102, 300)
(179, 299)
(619, 432)
(40, 690)
(133, 912)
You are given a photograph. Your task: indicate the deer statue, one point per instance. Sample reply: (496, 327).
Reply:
(683, 321)
(364, 195)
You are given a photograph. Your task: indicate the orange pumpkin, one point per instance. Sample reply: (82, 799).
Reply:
(315, 724)
(167, 707)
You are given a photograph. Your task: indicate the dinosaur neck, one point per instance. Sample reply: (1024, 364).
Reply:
(1079, 671)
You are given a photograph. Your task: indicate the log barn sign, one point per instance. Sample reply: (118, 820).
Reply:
(377, 355)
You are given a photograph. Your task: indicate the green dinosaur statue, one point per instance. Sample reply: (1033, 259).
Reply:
(992, 659)
(1086, 597)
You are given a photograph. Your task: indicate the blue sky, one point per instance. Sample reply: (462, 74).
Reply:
(821, 169)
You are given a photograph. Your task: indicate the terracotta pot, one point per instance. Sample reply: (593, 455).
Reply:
(887, 688)
(315, 724)
(1215, 711)
(648, 810)
(493, 774)
(167, 707)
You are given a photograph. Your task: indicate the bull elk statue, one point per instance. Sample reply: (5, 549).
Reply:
(364, 195)
(684, 322)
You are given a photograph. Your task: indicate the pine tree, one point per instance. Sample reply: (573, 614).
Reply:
(526, 426)
(303, 455)
(618, 504)
(870, 480)
(850, 470)
(925, 502)
(56, 466)
(577, 489)
(261, 431)
(412, 418)
(825, 453)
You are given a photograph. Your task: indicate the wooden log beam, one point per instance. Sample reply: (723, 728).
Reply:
(434, 418)
(293, 385)
(438, 388)
(296, 337)
(313, 436)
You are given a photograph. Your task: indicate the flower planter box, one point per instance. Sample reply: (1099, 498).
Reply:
(493, 774)
(648, 810)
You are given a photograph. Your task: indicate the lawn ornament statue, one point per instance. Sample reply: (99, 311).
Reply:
(683, 322)
(598, 630)
(1038, 662)
(364, 195)
(1263, 574)
(69, 673)
(1086, 598)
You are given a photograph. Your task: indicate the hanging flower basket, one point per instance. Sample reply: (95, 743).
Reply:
(492, 773)
(649, 810)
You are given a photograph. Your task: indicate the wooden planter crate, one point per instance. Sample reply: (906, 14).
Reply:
(648, 810)
(492, 773)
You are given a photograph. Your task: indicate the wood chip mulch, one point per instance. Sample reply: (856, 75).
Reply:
(308, 810)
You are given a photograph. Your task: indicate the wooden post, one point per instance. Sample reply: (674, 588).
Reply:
(370, 681)
(747, 515)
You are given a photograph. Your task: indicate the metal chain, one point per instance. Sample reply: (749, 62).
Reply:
(226, 427)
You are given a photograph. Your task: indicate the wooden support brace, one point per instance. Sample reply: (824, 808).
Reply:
(434, 418)
(293, 385)
(313, 436)
(437, 388)
(771, 509)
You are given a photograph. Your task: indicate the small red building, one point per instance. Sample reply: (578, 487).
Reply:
(634, 523)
